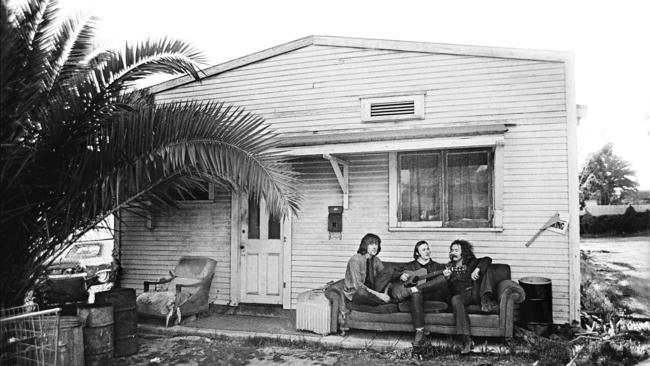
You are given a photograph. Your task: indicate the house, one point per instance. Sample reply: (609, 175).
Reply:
(408, 140)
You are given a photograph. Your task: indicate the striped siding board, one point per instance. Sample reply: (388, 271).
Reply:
(196, 228)
(310, 90)
(317, 89)
(317, 259)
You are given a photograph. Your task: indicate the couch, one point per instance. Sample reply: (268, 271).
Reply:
(439, 317)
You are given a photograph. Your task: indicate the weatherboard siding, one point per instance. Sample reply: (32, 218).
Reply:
(317, 258)
(195, 228)
(317, 89)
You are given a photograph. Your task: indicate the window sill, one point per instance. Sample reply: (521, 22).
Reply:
(448, 229)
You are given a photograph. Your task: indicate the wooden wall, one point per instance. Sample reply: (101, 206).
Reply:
(317, 89)
(318, 259)
(199, 228)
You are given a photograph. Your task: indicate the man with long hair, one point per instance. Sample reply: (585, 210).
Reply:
(469, 283)
(363, 284)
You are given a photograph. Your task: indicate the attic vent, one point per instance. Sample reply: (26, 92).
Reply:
(392, 108)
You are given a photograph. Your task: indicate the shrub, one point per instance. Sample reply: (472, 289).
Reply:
(629, 222)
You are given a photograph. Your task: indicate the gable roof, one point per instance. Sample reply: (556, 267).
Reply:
(379, 44)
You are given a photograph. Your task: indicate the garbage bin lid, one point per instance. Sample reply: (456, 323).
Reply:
(535, 280)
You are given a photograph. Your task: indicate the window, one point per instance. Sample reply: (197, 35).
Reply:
(254, 216)
(449, 188)
(81, 251)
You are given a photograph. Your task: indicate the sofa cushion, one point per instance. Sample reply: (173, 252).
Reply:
(429, 306)
(374, 309)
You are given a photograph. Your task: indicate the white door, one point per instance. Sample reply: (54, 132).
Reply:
(261, 254)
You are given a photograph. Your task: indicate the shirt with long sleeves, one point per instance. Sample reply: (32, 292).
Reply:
(460, 279)
(356, 273)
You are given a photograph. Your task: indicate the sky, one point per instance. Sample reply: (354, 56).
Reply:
(609, 40)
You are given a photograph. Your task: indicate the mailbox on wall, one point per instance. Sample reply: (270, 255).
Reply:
(335, 219)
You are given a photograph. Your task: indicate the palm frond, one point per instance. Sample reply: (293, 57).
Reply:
(140, 60)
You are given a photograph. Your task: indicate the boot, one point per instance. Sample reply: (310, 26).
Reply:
(419, 337)
(487, 304)
(467, 345)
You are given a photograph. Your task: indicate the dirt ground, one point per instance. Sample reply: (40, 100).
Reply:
(624, 263)
(197, 351)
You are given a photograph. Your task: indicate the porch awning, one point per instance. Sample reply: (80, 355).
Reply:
(385, 141)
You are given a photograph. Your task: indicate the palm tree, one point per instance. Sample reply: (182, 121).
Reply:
(79, 143)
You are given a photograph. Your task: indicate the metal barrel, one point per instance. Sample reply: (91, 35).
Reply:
(125, 330)
(536, 312)
(98, 334)
(71, 345)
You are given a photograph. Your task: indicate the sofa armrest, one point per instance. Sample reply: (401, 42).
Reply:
(510, 288)
(508, 293)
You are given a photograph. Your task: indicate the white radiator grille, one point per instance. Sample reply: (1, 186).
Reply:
(313, 312)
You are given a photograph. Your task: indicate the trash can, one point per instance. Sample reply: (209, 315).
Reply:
(536, 312)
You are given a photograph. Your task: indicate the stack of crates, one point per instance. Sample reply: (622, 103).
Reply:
(313, 312)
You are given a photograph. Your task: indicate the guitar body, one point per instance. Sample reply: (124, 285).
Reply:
(416, 277)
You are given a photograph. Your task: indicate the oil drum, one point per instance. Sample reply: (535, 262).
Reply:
(536, 312)
(97, 320)
(125, 329)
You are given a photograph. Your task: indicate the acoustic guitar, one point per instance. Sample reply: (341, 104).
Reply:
(416, 277)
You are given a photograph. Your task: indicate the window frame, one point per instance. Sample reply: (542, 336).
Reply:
(496, 190)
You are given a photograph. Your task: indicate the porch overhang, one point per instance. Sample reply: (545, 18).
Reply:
(385, 141)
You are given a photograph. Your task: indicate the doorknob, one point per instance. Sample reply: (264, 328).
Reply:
(242, 247)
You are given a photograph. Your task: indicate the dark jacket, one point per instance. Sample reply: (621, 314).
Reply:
(461, 277)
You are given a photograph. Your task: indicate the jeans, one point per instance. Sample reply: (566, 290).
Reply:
(364, 297)
(434, 289)
(470, 296)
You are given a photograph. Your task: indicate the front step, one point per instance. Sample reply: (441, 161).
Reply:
(272, 311)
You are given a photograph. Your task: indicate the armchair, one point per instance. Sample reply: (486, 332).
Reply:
(187, 292)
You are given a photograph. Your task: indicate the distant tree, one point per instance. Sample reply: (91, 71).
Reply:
(606, 177)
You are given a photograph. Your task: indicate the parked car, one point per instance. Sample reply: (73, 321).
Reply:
(91, 260)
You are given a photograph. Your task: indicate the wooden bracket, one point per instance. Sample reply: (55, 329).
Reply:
(341, 176)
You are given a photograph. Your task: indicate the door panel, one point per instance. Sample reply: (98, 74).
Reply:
(261, 254)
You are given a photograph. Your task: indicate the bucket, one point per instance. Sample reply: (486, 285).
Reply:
(71, 345)
(536, 312)
(98, 334)
(125, 329)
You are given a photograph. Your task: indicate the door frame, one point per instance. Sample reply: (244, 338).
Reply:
(236, 219)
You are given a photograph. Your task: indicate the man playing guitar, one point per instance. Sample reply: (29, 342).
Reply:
(422, 280)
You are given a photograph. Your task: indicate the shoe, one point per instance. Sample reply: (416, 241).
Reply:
(403, 294)
(419, 338)
(467, 345)
(488, 305)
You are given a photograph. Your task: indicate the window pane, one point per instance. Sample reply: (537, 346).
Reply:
(419, 187)
(274, 227)
(468, 185)
(253, 219)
